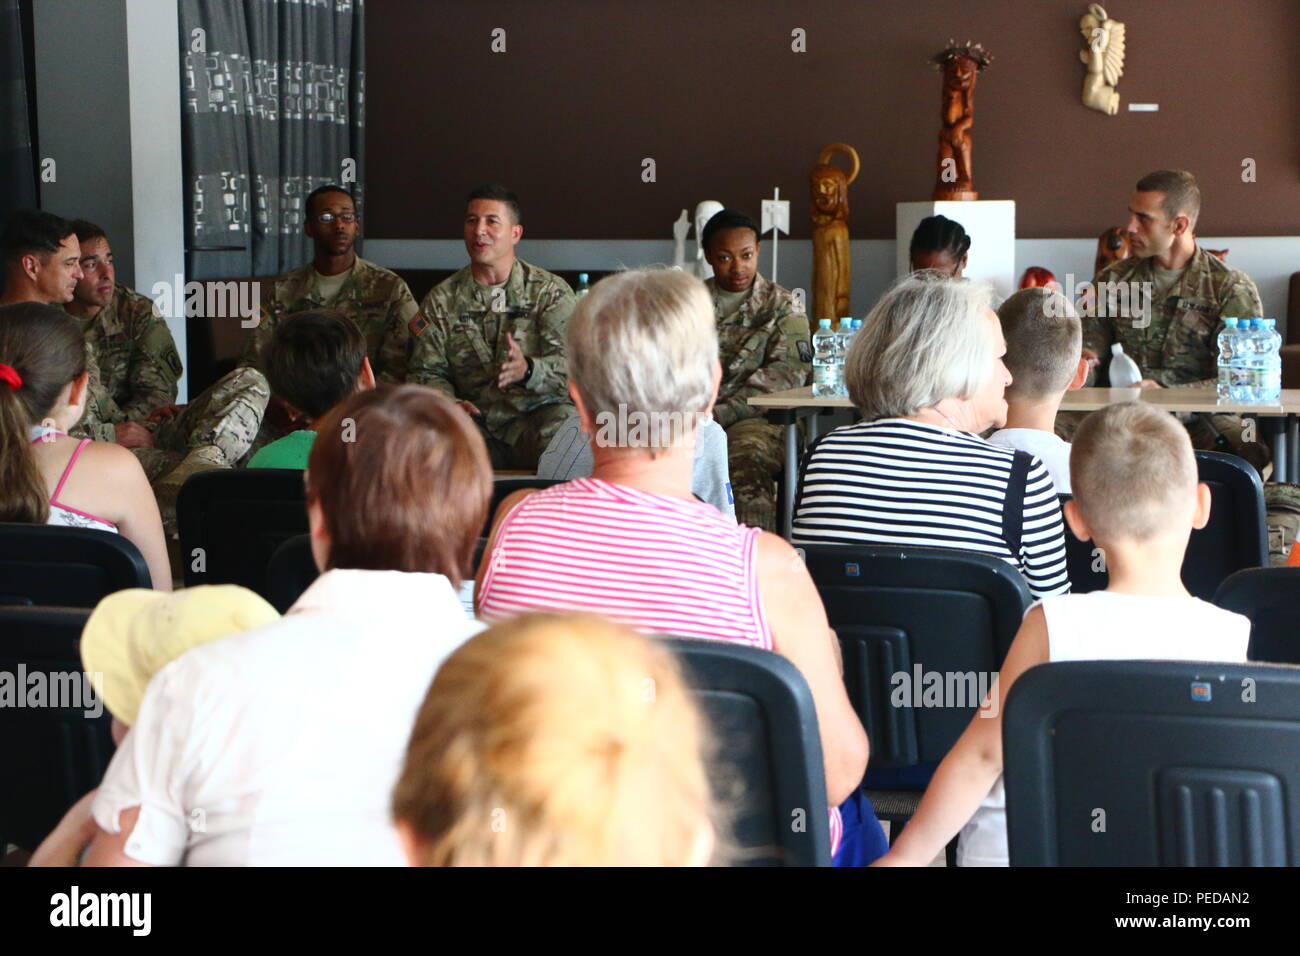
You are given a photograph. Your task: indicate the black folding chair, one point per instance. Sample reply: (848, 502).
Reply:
(1270, 597)
(44, 564)
(231, 522)
(1236, 536)
(768, 769)
(1141, 763)
(906, 618)
(55, 748)
(291, 571)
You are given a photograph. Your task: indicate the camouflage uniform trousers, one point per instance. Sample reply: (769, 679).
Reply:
(1204, 429)
(755, 456)
(215, 430)
(522, 442)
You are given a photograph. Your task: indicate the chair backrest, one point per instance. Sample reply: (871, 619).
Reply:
(236, 519)
(1142, 763)
(768, 766)
(1270, 597)
(54, 747)
(290, 571)
(502, 487)
(49, 565)
(1236, 536)
(908, 618)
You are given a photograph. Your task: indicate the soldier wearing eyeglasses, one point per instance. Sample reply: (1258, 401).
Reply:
(375, 298)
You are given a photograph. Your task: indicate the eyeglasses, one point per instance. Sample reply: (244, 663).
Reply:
(326, 218)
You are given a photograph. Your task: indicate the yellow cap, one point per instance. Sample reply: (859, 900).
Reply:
(132, 635)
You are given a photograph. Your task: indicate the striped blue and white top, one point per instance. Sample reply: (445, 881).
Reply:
(903, 483)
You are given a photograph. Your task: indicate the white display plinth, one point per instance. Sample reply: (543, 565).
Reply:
(991, 225)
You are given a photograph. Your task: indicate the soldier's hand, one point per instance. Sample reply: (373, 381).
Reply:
(514, 367)
(164, 413)
(1149, 383)
(468, 407)
(132, 435)
(1091, 358)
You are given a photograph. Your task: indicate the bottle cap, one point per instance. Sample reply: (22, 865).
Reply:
(1230, 323)
(823, 323)
(582, 277)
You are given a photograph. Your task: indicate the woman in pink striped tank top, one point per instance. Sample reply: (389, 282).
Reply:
(631, 542)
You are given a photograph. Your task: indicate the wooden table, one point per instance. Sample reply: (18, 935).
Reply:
(788, 407)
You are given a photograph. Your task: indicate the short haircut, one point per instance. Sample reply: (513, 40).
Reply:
(926, 340)
(403, 481)
(33, 232)
(313, 360)
(725, 219)
(500, 194)
(543, 723)
(320, 191)
(940, 234)
(1182, 194)
(1044, 342)
(645, 340)
(1133, 472)
(87, 231)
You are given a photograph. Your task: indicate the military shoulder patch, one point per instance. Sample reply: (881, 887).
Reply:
(805, 350)
(417, 324)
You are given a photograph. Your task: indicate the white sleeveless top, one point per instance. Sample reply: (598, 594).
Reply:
(1104, 626)
(60, 513)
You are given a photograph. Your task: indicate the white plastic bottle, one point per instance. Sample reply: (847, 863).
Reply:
(1272, 353)
(1239, 368)
(843, 339)
(1255, 344)
(583, 287)
(823, 343)
(1227, 341)
(1124, 372)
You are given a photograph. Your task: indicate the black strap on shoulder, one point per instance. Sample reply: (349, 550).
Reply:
(1013, 509)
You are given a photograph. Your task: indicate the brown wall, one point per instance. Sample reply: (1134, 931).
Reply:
(712, 91)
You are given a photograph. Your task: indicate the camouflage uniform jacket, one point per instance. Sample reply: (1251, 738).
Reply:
(375, 298)
(1177, 343)
(764, 347)
(460, 341)
(133, 363)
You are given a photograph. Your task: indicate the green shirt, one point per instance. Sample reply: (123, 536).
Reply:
(291, 451)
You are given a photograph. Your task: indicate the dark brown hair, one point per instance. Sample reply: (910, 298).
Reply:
(403, 481)
(47, 349)
(314, 360)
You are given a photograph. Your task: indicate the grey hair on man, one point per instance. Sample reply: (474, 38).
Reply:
(925, 341)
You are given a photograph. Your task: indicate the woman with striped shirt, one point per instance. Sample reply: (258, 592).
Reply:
(631, 542)
(926, 373)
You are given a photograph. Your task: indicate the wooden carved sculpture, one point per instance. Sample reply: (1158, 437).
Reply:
(830, 216)
(1104, 59)
(960, 65)
(1112, 246)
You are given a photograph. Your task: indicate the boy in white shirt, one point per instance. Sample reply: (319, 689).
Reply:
(1044, 345)
(1136, 496)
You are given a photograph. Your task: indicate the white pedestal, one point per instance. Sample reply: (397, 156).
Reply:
(991, 225)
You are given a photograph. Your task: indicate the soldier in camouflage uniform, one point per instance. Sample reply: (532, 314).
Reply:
(764, 347)
(1174, 337)
(492, 336)
(373, 297)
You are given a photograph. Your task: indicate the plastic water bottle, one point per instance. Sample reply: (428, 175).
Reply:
(1239, 367)
(1256, 344)
(1227, 344)
(843, 339)
(1271, 388)
(583, 285)
(823, 343)
(1124, 372)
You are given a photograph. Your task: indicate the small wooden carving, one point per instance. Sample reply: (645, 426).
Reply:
(960, 65)
(1112, 246)
(830, 216)
(1104, 59)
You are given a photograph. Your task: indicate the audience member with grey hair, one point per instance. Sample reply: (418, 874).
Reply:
(927, 375)
(1044, 338)
(632, 543)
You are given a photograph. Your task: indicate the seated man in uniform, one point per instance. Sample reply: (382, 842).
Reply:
(764, 347)
(137, 358)
(1174, 337)
(373, 297)
(492, 336)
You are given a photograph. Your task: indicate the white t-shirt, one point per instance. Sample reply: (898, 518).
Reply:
(1104, 626)
(1051, 450)
(280, 746)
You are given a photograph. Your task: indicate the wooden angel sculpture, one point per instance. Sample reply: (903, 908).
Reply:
(830, 216)
(1104, 59)
(960, 65)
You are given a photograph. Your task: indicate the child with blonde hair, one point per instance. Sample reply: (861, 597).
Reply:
(1137, 497)
(556, 740)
